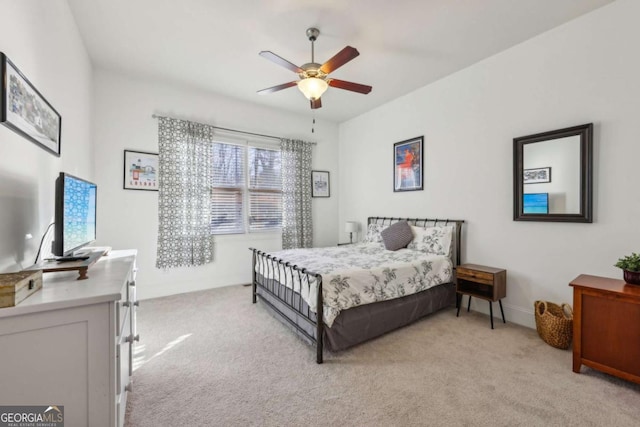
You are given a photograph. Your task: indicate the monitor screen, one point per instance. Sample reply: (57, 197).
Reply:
(536, 203)
(75, 217)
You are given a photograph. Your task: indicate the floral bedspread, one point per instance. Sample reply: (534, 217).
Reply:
(360, 274)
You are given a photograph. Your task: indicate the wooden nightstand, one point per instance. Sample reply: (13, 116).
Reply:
(483, 282)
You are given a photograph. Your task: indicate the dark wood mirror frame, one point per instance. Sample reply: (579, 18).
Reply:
(585, 132)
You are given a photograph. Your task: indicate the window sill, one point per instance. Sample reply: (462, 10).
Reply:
(252, 236)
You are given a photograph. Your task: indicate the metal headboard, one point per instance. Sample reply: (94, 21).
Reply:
(428, 222)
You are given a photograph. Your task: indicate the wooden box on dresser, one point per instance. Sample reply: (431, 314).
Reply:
(72, 343)
(606, 326)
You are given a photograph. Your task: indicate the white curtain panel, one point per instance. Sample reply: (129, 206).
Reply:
(184, 202)
(297, 230)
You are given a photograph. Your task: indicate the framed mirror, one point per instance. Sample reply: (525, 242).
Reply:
(552, 175)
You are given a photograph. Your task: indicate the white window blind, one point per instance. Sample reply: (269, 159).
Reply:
(265, 189)
(259, 188)
(227, 193)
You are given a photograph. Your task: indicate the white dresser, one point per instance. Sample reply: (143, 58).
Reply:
(72, 343)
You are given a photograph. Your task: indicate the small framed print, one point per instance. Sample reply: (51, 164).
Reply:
(24, 110)
(320, 184)
(140, 170)
(407, 165)
(536, 176)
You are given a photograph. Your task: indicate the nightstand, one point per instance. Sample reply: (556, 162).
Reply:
(483, 282)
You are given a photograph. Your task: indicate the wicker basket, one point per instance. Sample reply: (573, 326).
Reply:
(554, 323)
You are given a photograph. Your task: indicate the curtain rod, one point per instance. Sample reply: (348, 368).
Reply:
(155, 116)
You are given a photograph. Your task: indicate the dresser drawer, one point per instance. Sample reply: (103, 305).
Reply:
(123, 307)
(475, 276)
(123, 359)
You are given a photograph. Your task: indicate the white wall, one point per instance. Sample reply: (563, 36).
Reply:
(41, 39)
(129, 219)
(584, 71)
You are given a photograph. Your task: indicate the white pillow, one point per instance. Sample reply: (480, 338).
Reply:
(373, 233)
(432, 240)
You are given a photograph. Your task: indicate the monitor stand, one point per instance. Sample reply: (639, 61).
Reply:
(80, 265)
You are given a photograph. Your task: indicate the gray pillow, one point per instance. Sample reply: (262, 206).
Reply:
(397, 236)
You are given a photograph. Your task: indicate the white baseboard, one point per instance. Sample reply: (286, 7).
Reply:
(159, 290)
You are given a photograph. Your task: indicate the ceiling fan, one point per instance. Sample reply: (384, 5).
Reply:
(314, 78)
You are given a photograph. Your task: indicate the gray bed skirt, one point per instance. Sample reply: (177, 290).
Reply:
(364, 322)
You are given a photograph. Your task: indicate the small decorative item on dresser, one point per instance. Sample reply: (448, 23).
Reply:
(630, 266)
(14, 287)
(554, 323)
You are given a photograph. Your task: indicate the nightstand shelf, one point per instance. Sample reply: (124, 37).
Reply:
(483, 282)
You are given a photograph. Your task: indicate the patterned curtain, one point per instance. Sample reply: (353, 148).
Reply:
(296, 194)
(184, 202)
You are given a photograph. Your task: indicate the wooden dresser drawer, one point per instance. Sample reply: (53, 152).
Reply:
(475, 275)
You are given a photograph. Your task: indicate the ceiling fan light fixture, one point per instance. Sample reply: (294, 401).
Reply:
(312, 87)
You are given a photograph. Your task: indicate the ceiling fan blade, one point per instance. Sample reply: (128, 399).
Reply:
(339, 59)
(315, 104)
(280, 61)
(277, 88)
(353, 87)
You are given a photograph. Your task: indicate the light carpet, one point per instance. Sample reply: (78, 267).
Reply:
(212, 358)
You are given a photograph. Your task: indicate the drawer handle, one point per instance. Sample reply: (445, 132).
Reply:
(126, 304)
(136, 304)
(132, 338)
(132, 283)
(128, 387)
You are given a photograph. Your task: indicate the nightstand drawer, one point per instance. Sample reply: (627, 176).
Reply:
(475, 276)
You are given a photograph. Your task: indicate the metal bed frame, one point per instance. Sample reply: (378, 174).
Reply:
(291, 299)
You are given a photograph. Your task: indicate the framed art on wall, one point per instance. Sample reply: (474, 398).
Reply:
(407, 165)
(140, 170)
(24, 110)
(320, 184)
(536, 176)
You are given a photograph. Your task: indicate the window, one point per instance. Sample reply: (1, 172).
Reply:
(246, 190)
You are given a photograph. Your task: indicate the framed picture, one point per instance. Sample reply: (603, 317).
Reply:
(536, 176)
(140, 170)
(407, 165)
(24, 110)
(320, 184)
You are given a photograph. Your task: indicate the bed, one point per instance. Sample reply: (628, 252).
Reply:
(364, 290)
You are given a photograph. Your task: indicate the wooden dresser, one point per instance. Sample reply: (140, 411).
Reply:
(606, 326)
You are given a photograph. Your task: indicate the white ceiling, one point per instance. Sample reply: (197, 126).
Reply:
(403, 44)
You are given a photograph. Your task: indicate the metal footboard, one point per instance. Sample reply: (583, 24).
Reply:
(272, 275)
